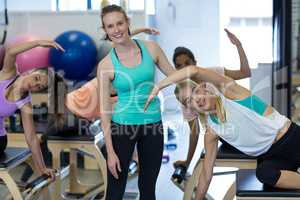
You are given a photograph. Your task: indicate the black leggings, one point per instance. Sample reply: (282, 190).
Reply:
(3, 143)
(283, 155)
(149, 139)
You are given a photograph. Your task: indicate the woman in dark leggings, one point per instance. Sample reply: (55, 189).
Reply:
(3, 143)
(243, 120)
(130, 68)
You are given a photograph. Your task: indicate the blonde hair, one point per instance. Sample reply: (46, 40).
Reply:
(221, 113)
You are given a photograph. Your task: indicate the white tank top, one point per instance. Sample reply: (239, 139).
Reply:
(246, 130)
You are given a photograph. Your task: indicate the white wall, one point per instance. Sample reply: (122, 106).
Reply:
(22, 5)
(49, 24)
(190, 23)
(196, 25)
(248, 8)
(261, 82)
(256, 36)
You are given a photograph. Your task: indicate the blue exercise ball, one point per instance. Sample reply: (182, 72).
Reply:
(79, 58)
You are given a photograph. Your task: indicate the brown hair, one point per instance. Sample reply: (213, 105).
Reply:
(113, 8)
(183, 51)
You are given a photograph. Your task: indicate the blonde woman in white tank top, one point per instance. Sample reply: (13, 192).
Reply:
(267, 135)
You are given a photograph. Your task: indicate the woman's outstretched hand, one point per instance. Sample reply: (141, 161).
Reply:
(151, 31)
(50, 43)
(233, 39)
(153, 94)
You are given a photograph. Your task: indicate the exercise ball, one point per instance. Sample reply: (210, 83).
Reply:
(79, 58)
(37, 57)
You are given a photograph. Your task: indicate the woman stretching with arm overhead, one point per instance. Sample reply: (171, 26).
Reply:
(243, 120)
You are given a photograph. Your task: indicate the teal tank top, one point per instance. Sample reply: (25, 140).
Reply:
(133, 86)
(252, 102)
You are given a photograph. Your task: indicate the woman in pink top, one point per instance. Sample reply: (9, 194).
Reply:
(15, 94)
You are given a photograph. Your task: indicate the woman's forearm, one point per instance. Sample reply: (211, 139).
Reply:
(203, 185)
(178, 76)
(192, 147)
(31, 137)
(106, 127)
(244, 64)
(20, 48)
(34, 145)
(192, 71)
(106, 111)
(104, 78)
(12, 52)
(137, 31)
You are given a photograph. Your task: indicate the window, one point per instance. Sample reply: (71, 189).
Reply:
(234, 21)
(96, 4)
(117, 2)
(253, 21)
(132, 5)
(150, 7)
(68, 5)
(136, 5)
(267, 21)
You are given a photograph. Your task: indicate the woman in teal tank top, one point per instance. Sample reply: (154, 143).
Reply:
(130, 70)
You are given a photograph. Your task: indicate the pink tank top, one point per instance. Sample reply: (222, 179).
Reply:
(7, 108)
